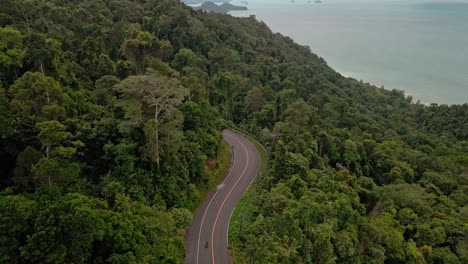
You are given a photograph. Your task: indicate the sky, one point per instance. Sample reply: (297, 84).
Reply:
(363, 1)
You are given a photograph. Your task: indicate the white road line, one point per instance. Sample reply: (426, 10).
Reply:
(201, 225)
(211, 200)
(229, 193)
(230, 216)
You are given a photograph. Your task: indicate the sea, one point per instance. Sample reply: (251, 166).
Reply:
(417, 46)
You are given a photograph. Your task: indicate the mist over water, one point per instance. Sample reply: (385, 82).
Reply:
(417, 46)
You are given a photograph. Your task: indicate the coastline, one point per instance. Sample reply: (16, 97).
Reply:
(427, 67)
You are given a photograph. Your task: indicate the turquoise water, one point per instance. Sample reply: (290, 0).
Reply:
(416, 46)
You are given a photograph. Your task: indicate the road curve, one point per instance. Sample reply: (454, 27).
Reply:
(206, 238)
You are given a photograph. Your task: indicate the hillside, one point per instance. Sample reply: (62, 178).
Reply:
(111, 114)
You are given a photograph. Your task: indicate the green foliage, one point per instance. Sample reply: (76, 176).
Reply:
(12, 53)
(15, 225)
(444, 255)
(36, 97)
(7, 121)
(150, 101)
(43, 53)
(254, 99)
(23, 178)
(55, 171)
(110, 119)
(64, 231)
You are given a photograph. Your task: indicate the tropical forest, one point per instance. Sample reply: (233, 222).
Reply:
(111, 121)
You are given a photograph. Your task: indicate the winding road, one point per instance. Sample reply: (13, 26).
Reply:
(206, 239)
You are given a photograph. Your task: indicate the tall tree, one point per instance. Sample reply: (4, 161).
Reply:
(139, 44)
(12, 53)
(7, 121)
(150, 100)
(298, 115)
(254, 99)
(32, 93)
(43, 53)
(57, 143)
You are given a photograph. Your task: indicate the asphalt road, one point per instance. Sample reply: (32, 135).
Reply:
(206, 239)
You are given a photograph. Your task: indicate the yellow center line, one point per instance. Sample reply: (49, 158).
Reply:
(225, 199)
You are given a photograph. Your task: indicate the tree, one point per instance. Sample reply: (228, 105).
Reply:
(413, 254)
(32, 93)
(150, 100)
(105, 66)
(64, 231)
(223, 58)
(346, 245)
(12, 53)
(139, 44)
(187, 58)
(52, 134)
(298, 115)
(7, 121)
(321, 247)
(370, 243)
(24, 164)
(392, 236)
(123, 69)
(15, 224)
(254, 99)
(195, 79)
(25, 11)
(227, 88)
(401, 171)
(287, 164)
(350, 153)
(43, 53)
(104, 89)
(443, 255)
(90, 53)
(56, 168)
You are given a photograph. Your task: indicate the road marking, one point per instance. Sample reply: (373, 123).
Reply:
(211, 200)
(225, 199)
(203, 220)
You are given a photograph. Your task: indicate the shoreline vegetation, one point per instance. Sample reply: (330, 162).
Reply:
(111, 118)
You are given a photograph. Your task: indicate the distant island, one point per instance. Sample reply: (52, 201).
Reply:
(231, 7)
(224, 8)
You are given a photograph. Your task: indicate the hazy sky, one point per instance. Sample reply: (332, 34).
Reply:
(362, 1)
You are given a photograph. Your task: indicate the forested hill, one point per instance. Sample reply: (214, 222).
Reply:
(111, 114)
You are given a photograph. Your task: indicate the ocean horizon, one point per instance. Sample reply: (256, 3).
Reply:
(417, 46)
